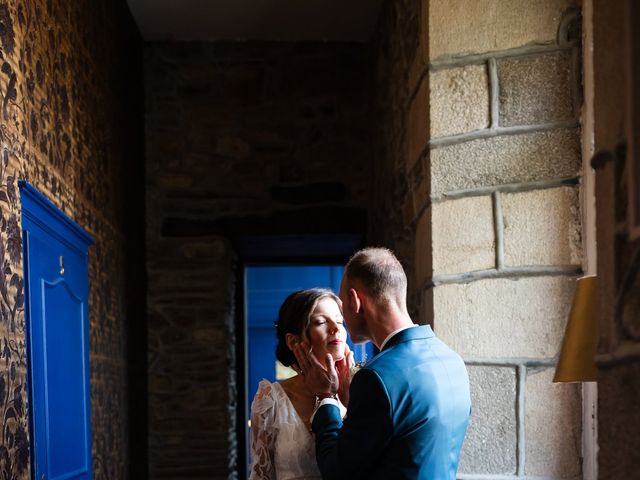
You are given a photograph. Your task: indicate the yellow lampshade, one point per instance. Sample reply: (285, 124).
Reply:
(576, 362)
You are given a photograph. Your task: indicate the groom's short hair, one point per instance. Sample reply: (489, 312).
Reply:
(380, 274)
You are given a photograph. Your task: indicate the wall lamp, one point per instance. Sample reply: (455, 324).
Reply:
(576, 362)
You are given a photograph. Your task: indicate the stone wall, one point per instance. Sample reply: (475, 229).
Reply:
(505, 215)
(71, 125)
(618, 256)
(480, 105)
(400, 134)
(243, 139)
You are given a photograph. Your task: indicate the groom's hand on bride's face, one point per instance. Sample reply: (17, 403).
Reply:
(319, 378)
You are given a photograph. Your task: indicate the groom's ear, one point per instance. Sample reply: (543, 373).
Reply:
(355, 303)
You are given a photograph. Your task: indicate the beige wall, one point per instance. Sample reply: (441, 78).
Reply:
(506, 222)
(480, 150)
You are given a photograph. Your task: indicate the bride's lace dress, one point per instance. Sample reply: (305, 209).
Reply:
(282, 447)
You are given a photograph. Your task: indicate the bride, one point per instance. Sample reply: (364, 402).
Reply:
(282, 445)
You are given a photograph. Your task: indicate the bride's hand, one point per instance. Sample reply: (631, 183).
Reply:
(343, 367)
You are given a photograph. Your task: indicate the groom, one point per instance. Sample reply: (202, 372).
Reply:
(408, 407)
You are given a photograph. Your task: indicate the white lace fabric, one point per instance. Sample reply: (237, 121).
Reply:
(282, 447)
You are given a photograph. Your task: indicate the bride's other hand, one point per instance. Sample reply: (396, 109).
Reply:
(343, 367)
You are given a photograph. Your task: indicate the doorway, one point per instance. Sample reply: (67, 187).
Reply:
(266, 287)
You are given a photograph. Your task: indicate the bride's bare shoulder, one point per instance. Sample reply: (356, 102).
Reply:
(288, 385)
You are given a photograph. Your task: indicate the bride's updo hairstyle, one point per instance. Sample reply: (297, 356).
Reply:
(294, 317)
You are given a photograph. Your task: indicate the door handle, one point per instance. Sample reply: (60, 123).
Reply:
(602, 157)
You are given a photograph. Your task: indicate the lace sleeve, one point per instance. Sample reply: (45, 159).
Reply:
(263, 433)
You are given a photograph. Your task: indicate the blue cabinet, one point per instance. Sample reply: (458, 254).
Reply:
(56, 295)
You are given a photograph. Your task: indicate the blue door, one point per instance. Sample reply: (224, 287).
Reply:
(266, 288)
(56, 289)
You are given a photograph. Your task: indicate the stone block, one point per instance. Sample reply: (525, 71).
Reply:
(505, 159)
(504, 318)
(542, 227)
(423, 249)
(421, 184)
(553, 439)
(490, 444)
(232, 147)
(417, 133)
(459, 100)
(535, 89)
(425, 312)
(408, 209)
(463, 235)
(211, 250)
(460, 27)
(420, 61)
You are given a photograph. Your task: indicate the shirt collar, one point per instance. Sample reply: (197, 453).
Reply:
(386, 340)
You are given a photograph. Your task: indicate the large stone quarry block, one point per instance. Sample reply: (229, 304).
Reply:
(553, 440)
(542, 227)
(459, 100)
(460, 27)
(535, 89)
(504, 318)
(505, 159)
(463, 235)
(490, 444)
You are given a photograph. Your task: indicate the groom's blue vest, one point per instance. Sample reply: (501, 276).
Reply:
(407, 416)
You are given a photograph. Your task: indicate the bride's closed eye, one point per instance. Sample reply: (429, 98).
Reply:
(339, 321)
